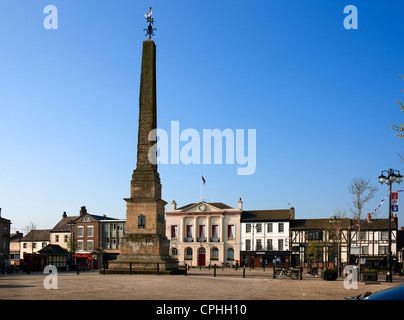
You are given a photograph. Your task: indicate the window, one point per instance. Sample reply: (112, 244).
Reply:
(363, 235)
(66, 238)
(269, 227)
(215, 254)
(174, 232)
(365, 249)
(174, 252)
(383, 250)
(86, 219)
(281, 227)
(280, 244)
(314, 235)
(57, 238)
(385, 235)
(80, 245)
(188, 254)
(230, 254)
(230, 231)
(80, 231)
(202, 234)
(248, 244)
(24, 245)
(189, 232)
(215, 233)
(258, 227)
(248, 228)
(269, 244)
(90, 231)
(258, 244)
(141, 222)
(90, 246)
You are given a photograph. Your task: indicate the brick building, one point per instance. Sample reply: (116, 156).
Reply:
(4, 239)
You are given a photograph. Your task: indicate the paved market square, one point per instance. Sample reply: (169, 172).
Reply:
(197, 285)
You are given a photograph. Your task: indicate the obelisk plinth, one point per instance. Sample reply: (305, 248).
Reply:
(144, 246)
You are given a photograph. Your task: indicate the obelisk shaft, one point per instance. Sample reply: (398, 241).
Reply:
(147, 105)
(145, 179)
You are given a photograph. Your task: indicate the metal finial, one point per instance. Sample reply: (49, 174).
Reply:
(149, 30)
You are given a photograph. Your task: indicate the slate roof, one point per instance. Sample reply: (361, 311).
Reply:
(377, 224)
(63, 224)
(53, 249)
(37, 235)
(316, 224)
(321, 224)
(265, 215)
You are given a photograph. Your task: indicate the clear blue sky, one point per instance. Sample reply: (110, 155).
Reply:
(322, 99)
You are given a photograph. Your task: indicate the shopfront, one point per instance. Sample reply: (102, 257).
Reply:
(265, 258)
(86, 260)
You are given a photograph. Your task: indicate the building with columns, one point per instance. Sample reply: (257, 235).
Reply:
(203, 234)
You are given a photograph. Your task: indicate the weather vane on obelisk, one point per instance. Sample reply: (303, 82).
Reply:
(149, 30)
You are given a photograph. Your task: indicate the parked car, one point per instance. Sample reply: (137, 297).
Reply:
(395, 293)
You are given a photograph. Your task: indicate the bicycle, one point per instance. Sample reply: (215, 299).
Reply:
(289, 272)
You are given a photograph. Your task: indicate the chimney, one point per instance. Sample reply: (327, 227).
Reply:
(292, 213)
(83, 211)
(240, 204)
(173, 205)
(64, 214)
(396, 221)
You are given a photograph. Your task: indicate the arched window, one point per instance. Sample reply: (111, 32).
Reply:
(230, 254)
(214, 254)
(188, 253)
(174, 252)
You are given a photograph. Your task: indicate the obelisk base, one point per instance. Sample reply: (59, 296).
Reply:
(144, 254)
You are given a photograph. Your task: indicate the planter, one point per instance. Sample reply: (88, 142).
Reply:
(330, 275)
(369, 276)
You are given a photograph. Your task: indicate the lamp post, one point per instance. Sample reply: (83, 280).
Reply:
(390, 177)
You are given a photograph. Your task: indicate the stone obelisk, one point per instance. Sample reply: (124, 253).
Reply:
(144, 247)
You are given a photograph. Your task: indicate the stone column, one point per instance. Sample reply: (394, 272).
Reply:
(195, 229)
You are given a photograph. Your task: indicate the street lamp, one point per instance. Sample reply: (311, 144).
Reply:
(390, 177)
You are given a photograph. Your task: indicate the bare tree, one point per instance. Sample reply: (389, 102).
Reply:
(362, 192)
(28, 229)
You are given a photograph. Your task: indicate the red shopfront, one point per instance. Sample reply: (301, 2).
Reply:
(86, 260)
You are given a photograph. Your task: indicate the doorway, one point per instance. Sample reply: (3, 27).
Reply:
(201, 257)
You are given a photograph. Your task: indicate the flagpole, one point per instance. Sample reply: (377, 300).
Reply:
(201, 187)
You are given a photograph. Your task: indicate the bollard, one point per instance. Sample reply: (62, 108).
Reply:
(104, 268)
(158, 269)
(274, 271)
(214, 270)
(78, 270)
(301, 273)
(186, 269)
(244, 271)
(130, 268)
